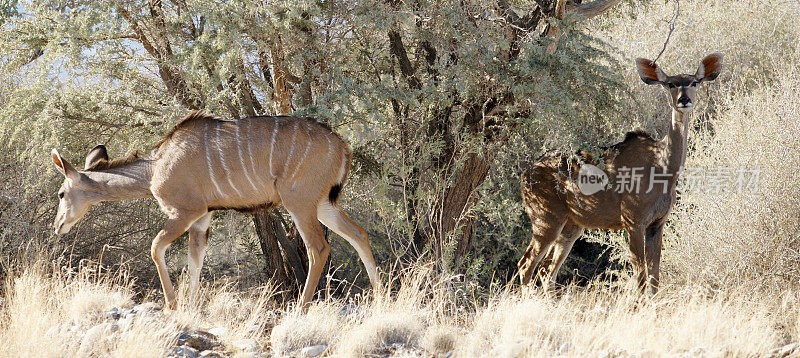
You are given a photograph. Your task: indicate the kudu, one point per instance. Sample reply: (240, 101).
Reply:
(559, 210)
(205, 164)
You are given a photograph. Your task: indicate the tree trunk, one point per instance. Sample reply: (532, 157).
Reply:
(452, 221)
(282, 255)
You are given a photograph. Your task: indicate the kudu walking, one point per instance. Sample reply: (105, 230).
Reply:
(205, 164)
(647, 169)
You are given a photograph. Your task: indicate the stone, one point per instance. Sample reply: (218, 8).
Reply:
(183, 352)
(211, 354)
(312, 351)
(199, 340)
(112, 314)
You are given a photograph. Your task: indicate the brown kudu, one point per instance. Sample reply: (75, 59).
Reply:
(205, 164)
(647, 169)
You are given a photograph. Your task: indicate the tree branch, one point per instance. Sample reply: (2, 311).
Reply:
(589, 10)
(399, 51)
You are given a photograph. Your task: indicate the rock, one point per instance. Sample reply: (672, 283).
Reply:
(312, 351)
(219, 331)
(199, 340)
(112, 314)
(183, 352)
(211, 354)
(346, 310)
(247, 345)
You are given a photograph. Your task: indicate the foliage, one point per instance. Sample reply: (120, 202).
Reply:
(85, 73)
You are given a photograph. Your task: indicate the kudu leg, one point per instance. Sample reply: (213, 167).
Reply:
(636, 243)
(171, 231)
(545, 231)
(560, 250)
(332, 216)
(198, 239)
(652, 247)
(318, 249)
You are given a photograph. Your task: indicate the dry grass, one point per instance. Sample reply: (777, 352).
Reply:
(56, 314)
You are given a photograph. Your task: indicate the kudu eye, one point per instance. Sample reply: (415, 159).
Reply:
(670, 85)
(693, 84)
(61, 195)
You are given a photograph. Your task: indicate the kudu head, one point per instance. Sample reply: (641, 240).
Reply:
(78, 192)
(682, 89)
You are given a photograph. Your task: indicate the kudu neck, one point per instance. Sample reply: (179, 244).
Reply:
(129, 181)
(676, 141)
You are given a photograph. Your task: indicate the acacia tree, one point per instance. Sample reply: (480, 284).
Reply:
(471, 124)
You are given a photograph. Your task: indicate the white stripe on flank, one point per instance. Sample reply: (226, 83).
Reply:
(241, 157)
(330, 147)
(272, 150)
(291, 151)
(208, 162)
(342, 168)
(305, 153)
(225, 166)
(250, 153)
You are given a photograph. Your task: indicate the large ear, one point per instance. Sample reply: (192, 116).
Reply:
(64, 167)
(709, 68)
(649, 72)
(97, 157)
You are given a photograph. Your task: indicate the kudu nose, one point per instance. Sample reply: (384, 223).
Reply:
(684, 100)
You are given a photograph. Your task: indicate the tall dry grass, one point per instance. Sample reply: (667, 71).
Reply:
(53, 314)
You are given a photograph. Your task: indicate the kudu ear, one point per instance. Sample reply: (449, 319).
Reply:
(96, 158)
(649, 71)
(709, 68)
(64, 167)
